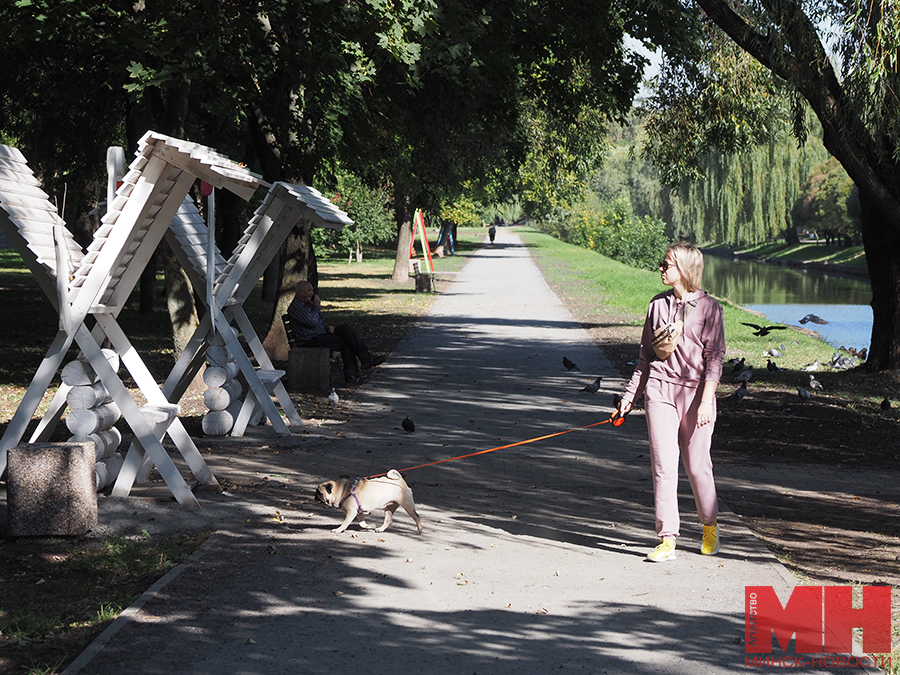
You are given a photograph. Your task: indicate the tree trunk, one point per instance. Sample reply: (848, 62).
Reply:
(403, 218)
(147, 294)
(300, 264)
(180, 303)
(270, 280)
(882, 248)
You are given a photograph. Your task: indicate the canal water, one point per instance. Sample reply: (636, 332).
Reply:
(786, 294)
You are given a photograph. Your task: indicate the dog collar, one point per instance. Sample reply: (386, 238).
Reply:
(359, 508)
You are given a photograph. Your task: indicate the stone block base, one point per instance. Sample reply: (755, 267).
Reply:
(51, 489)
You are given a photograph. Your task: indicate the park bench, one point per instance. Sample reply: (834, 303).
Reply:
(311, 368)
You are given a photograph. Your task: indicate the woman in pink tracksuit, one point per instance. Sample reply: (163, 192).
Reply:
(680, 397)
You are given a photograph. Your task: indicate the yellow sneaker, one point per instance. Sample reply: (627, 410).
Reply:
(665, 551)
(710, 544)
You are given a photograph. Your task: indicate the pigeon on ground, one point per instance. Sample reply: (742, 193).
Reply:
(803, 394)
(744, 375)
(333, 398)
(812, 366)
(408, 425)
(842, 362)
(773, 367)
(593, 387)
(774, 353)
(815, 319)
(885, 405)
(739, 393)
(570, 365)
(814, 384)
(738, 367)
(763, 330)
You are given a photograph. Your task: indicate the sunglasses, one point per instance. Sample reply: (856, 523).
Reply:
(665, 264)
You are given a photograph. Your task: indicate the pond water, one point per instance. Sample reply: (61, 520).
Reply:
(786, 294)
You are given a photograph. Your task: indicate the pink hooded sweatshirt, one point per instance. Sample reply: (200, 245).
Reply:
(701, 347)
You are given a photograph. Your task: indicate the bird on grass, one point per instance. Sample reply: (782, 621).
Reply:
(593, 387)
(812, 366)
(773, 367)
(763, 330)
(408, 425)
(738, 394)
(804, 395)
(774, 353)
(738, 366)
(885, 405)
(744, 375)
(815, 319)
(569, 364)
(333, 398)
(842, 361)
(814, 384)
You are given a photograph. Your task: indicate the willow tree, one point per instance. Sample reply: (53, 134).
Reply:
(723, 100)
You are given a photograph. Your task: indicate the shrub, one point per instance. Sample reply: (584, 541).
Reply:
(610, 228)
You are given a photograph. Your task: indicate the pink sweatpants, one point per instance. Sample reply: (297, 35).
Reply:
(672, 427)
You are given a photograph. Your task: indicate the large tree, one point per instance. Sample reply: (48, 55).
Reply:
(852, 90)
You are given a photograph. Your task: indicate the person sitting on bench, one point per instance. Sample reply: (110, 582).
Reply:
(311, 331)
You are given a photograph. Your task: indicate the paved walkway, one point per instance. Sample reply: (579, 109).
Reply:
(532, 558)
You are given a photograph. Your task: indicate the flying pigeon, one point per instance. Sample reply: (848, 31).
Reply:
(739, 393)
(570, 365)
(814, 384)
(744, 375)
(815, 319)
(763, 330)
(803, 394)
(408, 425)
(333, 398)
(593, 387)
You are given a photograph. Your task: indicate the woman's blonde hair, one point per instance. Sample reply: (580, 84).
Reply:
(689, 259)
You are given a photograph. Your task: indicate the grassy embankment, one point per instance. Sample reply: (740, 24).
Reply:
(851, 256)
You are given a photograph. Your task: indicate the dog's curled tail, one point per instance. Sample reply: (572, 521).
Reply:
(393, 474)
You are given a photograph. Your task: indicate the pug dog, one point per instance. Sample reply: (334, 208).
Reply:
(357, 498)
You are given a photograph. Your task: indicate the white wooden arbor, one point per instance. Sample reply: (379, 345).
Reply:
(283, 208)
(97, 283)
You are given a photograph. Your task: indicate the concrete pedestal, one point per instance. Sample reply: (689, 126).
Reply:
(51, 489)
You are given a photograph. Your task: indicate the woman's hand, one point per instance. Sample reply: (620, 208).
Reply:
(704, 414)
(624, 407)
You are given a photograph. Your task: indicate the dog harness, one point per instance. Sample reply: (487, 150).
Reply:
(359, 508)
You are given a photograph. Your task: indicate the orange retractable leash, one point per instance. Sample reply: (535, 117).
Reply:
(615, 419)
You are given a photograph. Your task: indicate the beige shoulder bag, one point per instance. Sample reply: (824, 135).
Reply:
(665, 338)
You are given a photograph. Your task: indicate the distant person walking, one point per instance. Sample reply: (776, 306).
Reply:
(492, 232)
(678, 371)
